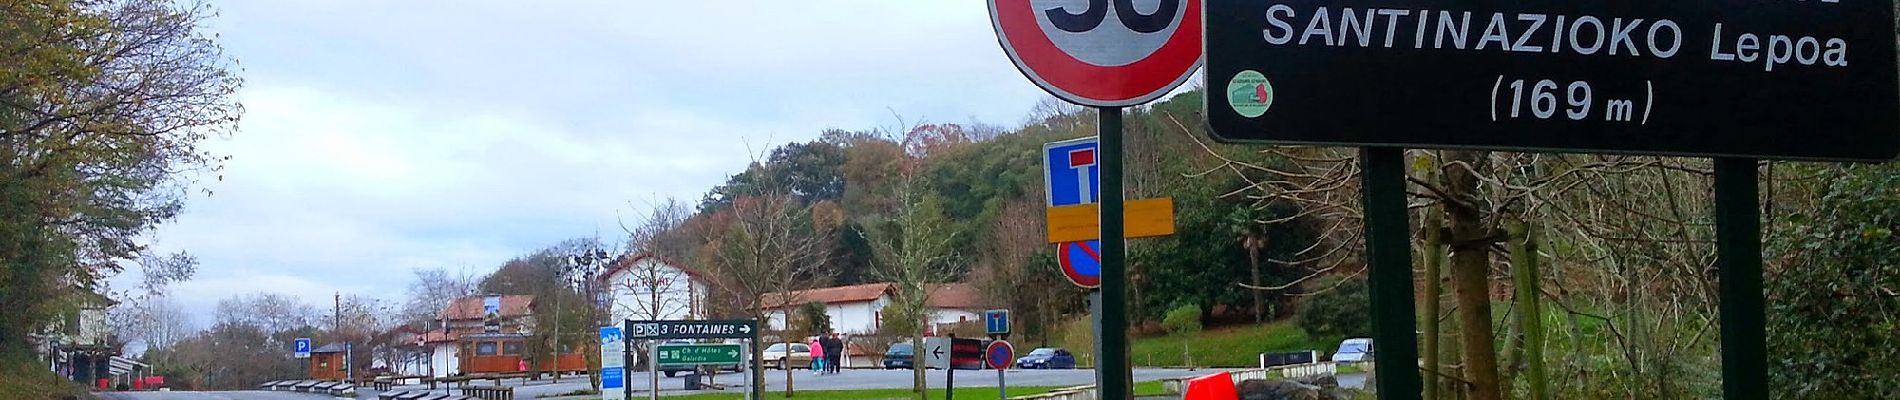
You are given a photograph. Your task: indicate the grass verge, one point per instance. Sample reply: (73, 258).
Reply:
(22, 378)
(1233, 347)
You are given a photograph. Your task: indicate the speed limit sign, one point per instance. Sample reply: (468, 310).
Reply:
(1105, 53)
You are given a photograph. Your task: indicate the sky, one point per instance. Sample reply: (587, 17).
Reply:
(381, 136)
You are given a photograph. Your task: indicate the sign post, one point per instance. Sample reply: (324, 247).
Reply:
(1000, 354)
(613, 377)
(656, 330)
(996, 322)
(1791, 80)
(698, 354)
(1075, 52)
(301, 347)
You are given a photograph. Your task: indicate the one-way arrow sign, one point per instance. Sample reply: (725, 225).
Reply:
(937, 352)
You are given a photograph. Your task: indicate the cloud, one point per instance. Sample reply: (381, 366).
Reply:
(384, 136)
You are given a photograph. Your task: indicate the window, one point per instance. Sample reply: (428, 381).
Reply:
(799, 348)
(485, 349)
(511, 348)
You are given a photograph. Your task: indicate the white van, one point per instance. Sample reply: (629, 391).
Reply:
(1354, 350)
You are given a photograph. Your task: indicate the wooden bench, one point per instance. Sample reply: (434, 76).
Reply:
(489, 392)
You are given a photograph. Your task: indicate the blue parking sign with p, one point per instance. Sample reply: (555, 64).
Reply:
(302, 347)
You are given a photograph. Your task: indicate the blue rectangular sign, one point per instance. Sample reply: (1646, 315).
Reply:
(612, 378)
(996, 321)
(1071, 172)
(302, 347)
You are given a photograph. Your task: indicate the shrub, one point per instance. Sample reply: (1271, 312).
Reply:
(1343, 311)
(1831, 325)
(1183, 320)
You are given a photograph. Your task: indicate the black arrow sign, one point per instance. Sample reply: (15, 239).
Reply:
(937, 352)
(690, 329)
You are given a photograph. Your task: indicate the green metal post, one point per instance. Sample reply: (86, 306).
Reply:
(1389, 258)
(1738, 262)
(1113, 379)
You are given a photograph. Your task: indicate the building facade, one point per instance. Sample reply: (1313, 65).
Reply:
(646, 286)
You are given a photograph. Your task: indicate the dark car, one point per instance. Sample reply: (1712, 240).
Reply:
(1047, 358)
(900, 356)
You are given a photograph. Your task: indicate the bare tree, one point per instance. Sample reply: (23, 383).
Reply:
(914, 250)
(156, 321)
(269, 311)
(431, 292)
(770, 247)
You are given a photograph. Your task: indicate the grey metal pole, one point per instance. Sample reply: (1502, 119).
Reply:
(626, 361)
(653, 367)
(1002, 388)
(1738, 266)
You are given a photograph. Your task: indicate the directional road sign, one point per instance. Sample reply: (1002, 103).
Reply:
(1000, 354)
(699, 354)
(302, 347)
(966, 353)
(687, 329)
(1101, 52)
(1812, 80)
(996, 322)
(936, 353)
(1140, 218)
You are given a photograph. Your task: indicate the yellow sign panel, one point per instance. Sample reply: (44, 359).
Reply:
(1140, 218)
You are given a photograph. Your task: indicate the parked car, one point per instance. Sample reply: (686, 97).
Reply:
(1047, 358)
(777, 357)
(673, 370)
(900, 356)
(1353, 350)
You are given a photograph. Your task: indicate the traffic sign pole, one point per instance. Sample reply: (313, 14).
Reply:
(1389, 256)
(1738, 263)
(1113, 378)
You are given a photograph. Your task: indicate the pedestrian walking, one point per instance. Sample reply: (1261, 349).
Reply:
(834, 353)
(817, 355)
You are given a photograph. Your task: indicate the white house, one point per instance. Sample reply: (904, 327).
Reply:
(646, 286)
(859, 309)
(854, 310)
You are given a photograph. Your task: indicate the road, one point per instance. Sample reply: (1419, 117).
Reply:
(873, 379)
(775, 381)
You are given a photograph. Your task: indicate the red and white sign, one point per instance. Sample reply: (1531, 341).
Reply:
(1105, 53)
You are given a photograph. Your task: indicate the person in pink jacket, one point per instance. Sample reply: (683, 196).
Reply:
(817, 361)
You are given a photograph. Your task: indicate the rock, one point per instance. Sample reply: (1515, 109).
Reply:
(1336, 393)
(1323, 381)
(1255, 389)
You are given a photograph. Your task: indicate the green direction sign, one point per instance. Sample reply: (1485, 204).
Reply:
(699, 354)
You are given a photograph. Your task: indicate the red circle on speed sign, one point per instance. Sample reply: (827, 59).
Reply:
(1101, 52)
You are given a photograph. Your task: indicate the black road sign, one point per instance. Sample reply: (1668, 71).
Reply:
(1782, 79)
(684, 329)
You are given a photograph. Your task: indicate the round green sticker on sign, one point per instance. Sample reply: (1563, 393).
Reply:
(1250, 94)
